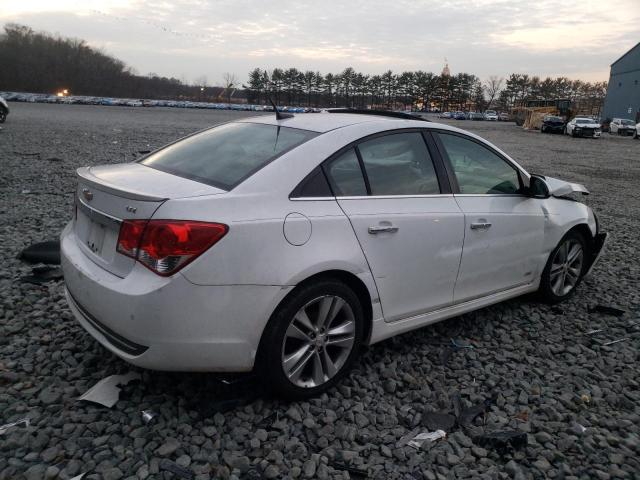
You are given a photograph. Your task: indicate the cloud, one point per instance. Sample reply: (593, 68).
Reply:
(485, 37)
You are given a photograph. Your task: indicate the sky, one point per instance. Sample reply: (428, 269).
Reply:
(192, 40)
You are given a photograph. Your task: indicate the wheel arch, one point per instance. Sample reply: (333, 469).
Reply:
(349, 279)
(584, 230)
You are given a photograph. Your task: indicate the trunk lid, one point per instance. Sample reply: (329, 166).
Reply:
(107, 195)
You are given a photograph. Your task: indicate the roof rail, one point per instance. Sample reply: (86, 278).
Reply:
(382, 113)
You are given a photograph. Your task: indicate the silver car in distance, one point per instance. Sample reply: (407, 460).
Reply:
(283, 245)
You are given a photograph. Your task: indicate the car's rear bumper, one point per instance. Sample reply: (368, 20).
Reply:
(167, 323)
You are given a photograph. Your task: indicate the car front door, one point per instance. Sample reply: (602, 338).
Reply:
(504, 229)
(406, 220)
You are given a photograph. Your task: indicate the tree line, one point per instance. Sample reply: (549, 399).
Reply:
(39, 62)
(415, 90)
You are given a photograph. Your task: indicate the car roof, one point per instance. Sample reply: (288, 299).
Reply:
(324, 122)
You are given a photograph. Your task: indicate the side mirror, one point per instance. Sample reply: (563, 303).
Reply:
(538, 187)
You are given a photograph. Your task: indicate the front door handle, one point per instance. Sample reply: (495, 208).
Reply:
(385, 229)
(480, 226)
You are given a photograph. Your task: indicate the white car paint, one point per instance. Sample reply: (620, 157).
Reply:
(210, 315)
(622, 126)
(580, 122)
(491, 115)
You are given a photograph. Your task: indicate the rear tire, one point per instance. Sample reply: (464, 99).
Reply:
(312, 340)
(565, 268)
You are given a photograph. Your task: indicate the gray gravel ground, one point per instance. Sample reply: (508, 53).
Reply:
(546, 377)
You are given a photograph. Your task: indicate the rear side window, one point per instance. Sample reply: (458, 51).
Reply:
(226, 155)
(345, 175)
(399, 164)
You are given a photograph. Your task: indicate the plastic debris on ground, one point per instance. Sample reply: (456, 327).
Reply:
(613, 342)
(43, 252)
(43, 274)
(148, 415)
(468, 415)
(459, 344)
(439, 421)
(502, 442)
(616, 312)
(78, 477)
(7, 426)
(182, 472)
(593, 332)
(354, 472)
(421, 438)
(106, 391)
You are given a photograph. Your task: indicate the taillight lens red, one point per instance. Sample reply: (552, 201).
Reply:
(165, 246)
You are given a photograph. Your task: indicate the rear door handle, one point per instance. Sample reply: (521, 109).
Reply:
(480, 226)
(385, 229)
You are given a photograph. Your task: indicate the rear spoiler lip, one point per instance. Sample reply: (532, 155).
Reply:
(84, 173)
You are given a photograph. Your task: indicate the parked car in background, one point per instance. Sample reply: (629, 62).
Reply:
(491, 115)
(284, 245)
(475, 116)
(459, 116)
(552, 124)
(4, 110)
(583, 127)
(636, 134)
(445, 115)
(622, 126)
(504, 117)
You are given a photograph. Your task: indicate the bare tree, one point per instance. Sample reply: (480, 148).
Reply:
(492, 88)
(229, 82)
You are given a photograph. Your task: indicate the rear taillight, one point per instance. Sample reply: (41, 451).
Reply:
(165, 246)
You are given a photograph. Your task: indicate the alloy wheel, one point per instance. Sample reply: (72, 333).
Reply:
(566, 267)
(318, 341)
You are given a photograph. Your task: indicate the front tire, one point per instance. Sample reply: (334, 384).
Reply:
(3, 115)
(565, 268)
(311, 340)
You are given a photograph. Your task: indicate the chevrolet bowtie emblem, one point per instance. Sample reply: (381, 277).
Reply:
(88, 194)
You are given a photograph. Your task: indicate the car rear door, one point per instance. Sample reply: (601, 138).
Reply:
(504, 229)
(399, 202)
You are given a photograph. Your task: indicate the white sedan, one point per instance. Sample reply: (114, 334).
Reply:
(283, 245)
(491, 115)
(583, 127)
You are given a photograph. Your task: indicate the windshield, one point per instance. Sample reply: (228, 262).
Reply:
(627, 122)
(226, 155)
(584, 120)
(552, 119)
(490, 112)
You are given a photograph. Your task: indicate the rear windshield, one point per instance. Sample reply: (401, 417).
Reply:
(226, 155)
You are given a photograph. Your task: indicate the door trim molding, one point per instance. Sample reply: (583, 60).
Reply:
(382, 329)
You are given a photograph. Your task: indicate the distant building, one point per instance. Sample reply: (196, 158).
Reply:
(623, 92)
(445, 71)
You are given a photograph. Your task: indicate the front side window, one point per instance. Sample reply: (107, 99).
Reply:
(224, 156)
(399, 164)
(478, 169)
